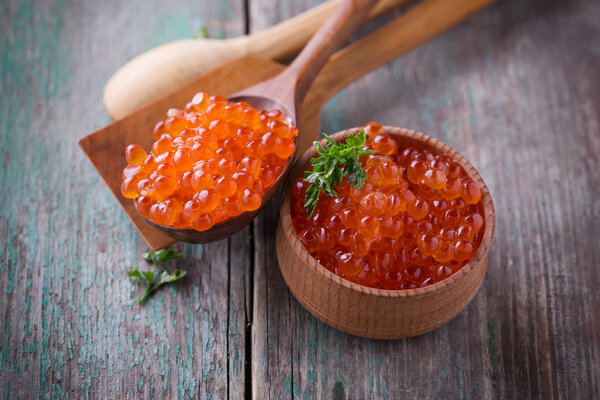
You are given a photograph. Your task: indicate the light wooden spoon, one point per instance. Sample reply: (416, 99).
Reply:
(285, 92)
(163, 69)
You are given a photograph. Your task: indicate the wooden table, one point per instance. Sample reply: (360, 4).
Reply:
(516, 89)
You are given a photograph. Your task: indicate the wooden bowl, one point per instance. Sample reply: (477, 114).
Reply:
(377, 313)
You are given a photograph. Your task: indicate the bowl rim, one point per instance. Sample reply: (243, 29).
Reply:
(443, 285)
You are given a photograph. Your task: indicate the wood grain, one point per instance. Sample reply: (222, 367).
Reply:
(515, 89)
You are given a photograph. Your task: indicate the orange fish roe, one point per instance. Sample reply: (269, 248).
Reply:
(210, 162)
(417, 220)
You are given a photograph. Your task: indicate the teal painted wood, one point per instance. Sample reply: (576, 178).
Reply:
(69, 327)
(515, 89)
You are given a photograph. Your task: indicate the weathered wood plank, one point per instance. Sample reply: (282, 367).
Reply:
(70, 327)
(516, 90)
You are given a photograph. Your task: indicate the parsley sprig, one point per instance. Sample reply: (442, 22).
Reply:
(202, 33)
(335, 161)
(153, 279)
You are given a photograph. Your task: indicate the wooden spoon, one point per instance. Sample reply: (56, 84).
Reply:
(163, 69)
(105, 147)
(285, 92)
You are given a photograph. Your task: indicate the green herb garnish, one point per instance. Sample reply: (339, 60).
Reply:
(162, 255)
(202, 34)
(154, 279)
(335, 161)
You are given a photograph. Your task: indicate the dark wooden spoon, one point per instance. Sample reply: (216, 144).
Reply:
(285, 92)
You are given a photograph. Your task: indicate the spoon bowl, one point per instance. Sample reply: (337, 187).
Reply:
(233, 225)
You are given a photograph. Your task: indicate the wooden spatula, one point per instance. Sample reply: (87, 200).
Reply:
(105, 147)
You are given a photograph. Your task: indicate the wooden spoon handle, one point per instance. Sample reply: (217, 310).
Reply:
(284, 40)
(418, 25)
(298, 77)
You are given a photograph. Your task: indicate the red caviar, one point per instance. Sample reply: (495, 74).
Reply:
(417, 220)
(210, 162)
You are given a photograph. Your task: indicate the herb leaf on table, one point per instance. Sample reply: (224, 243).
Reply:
(334, 161)
(161, 255)
(202, 33)
(153, 279)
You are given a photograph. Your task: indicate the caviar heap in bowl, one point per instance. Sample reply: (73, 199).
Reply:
(399, 257)
(214, 162)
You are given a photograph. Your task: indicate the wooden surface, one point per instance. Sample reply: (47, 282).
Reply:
(516, 89)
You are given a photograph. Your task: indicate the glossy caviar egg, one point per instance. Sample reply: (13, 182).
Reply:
(348, 264)
(211, 161)
(417, 220)
(134, 154)
(250, 200)
(129, 187)
(144, 204)
(373, 204)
